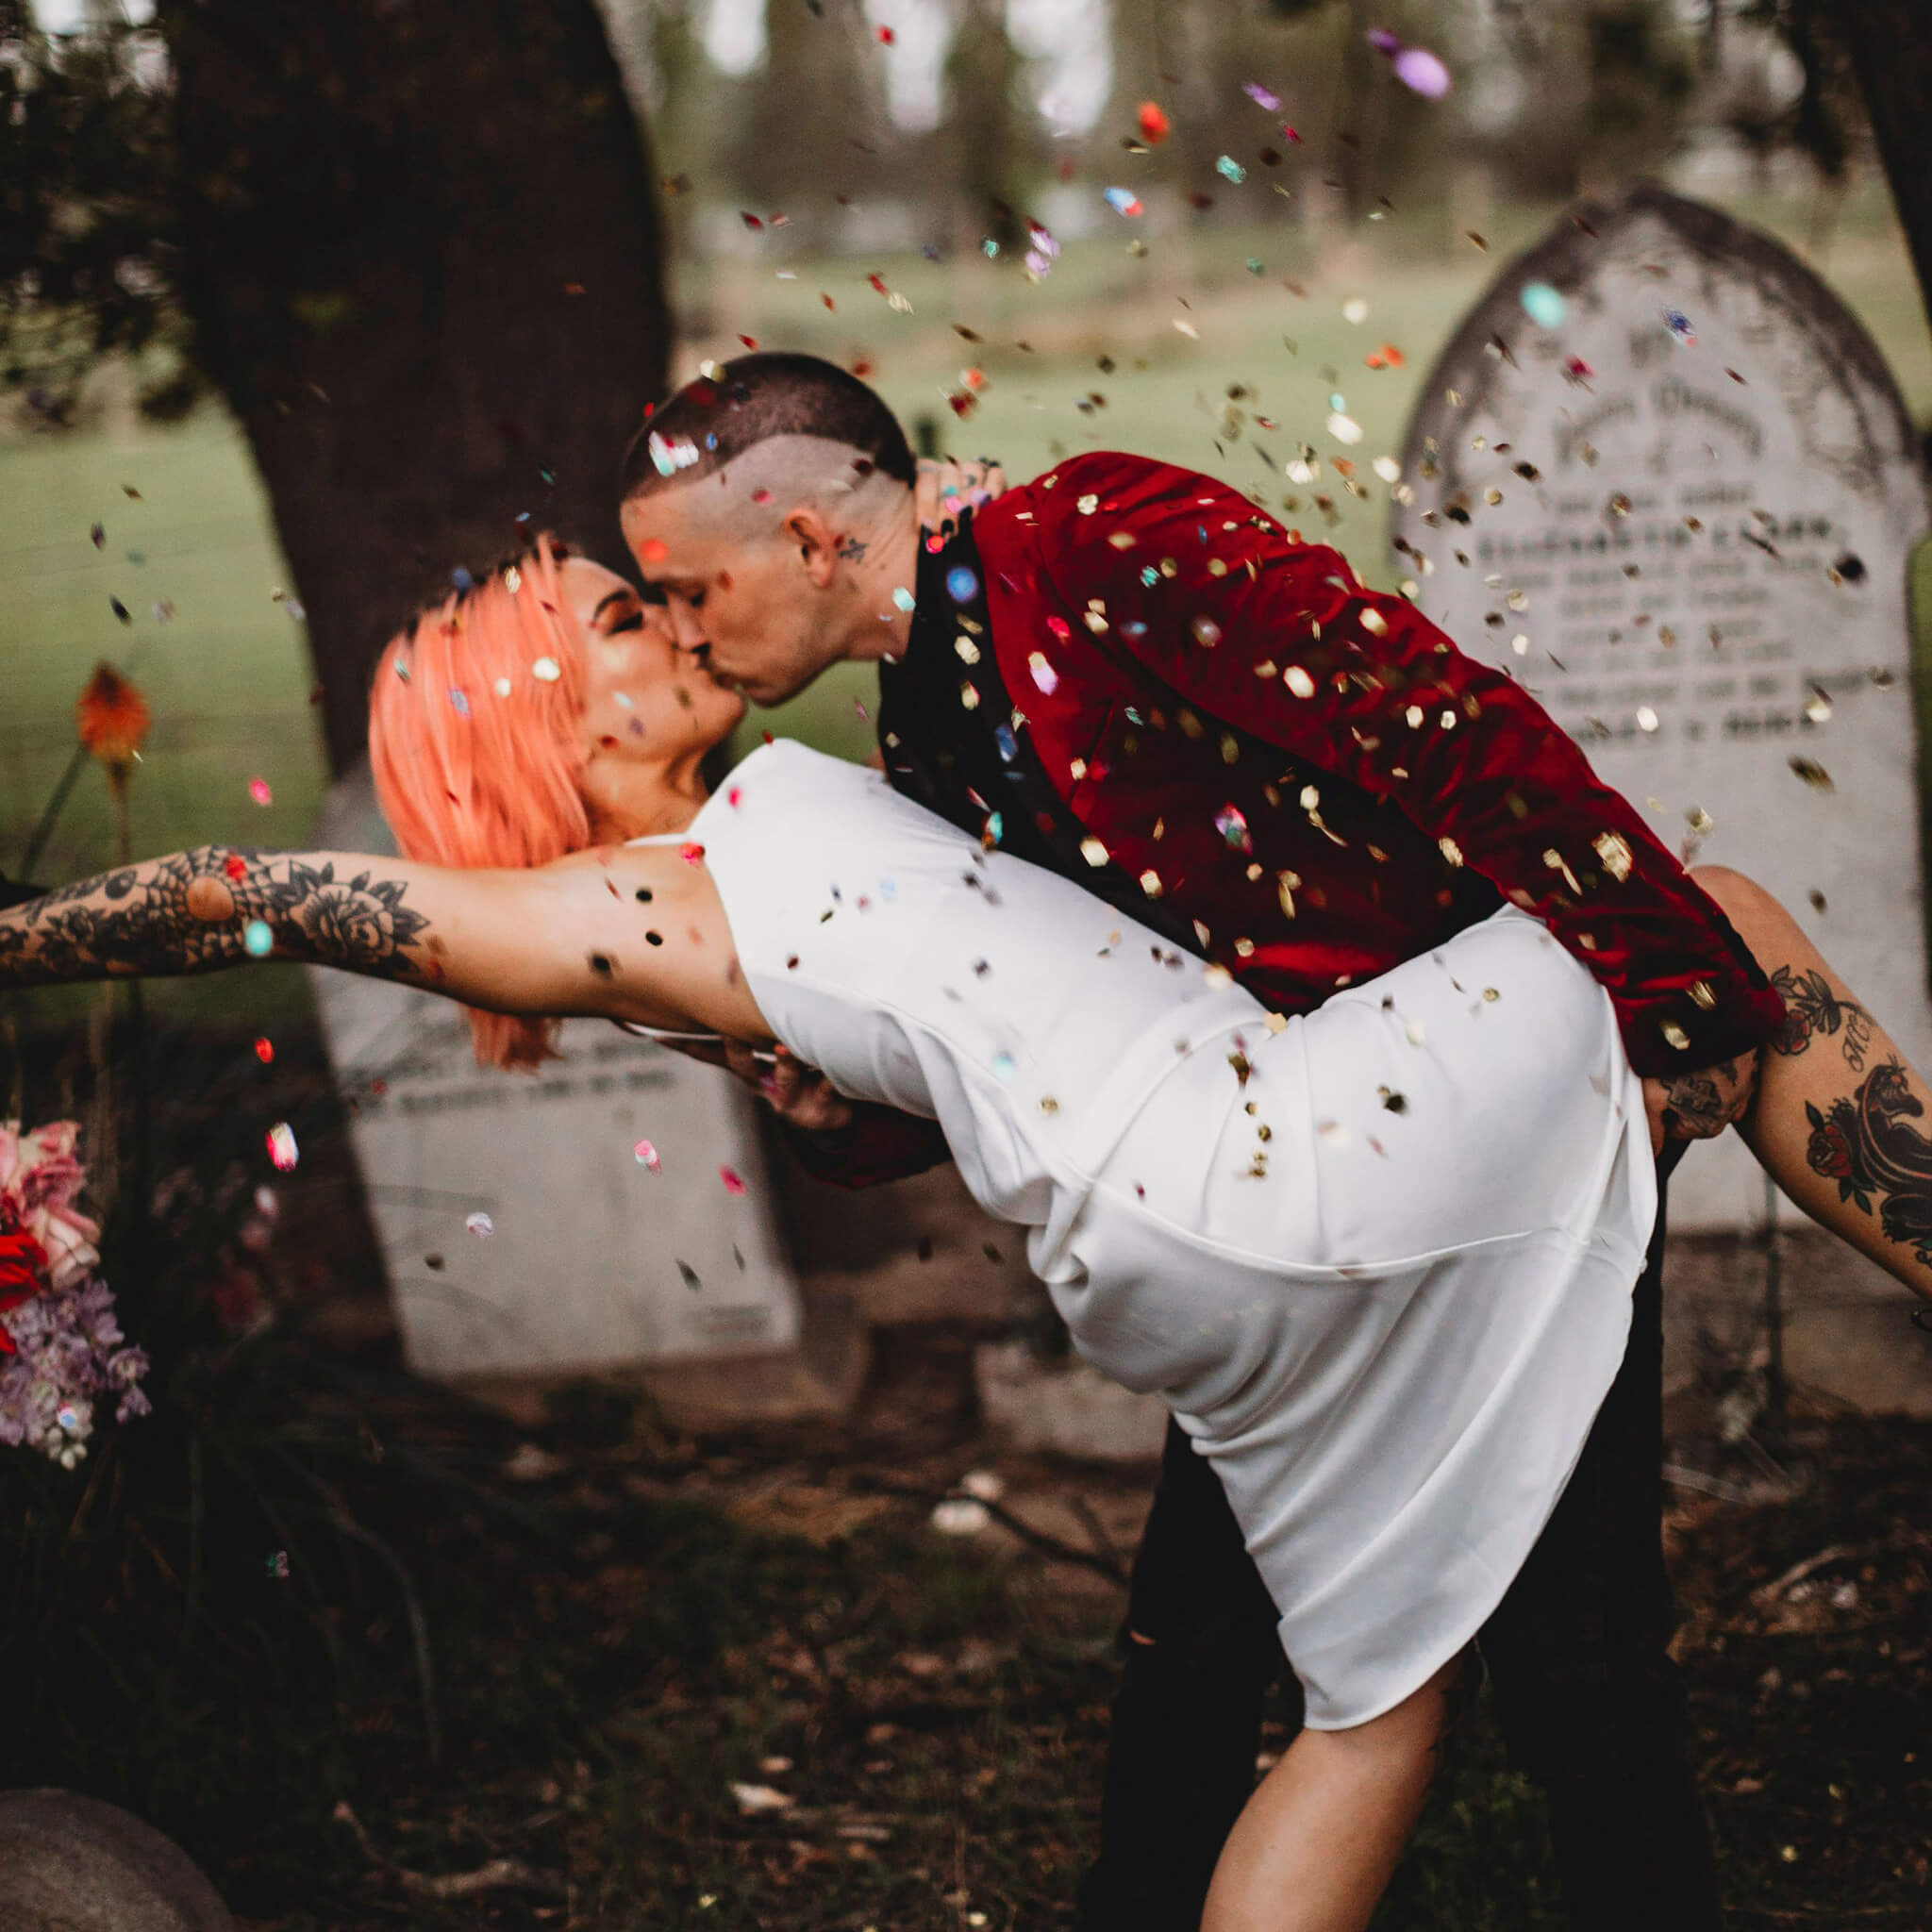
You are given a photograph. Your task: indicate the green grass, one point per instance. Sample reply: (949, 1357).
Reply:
(230, 678)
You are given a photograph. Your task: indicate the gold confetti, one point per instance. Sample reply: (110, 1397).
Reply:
(1374, 623)
(1093, 851)
(1703, 995)
(1674, 1036)
(1813, 773)
(1298, 681)
(1086, 505)
(1614, 850)
(1451, 850)
(1150, 883)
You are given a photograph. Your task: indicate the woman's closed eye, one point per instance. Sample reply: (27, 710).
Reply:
(635, 621)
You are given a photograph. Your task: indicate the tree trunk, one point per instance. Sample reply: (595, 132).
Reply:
(1892, 51)
(422, 257)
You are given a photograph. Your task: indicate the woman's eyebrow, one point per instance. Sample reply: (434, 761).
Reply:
(610, 597)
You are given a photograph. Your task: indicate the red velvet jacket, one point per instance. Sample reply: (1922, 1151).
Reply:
(1310, 772)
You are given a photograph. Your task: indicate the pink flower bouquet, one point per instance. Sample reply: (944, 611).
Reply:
(61, 1349)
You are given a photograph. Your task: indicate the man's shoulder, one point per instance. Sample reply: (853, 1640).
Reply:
(1112, 474)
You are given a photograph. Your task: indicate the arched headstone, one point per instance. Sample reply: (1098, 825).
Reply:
(1663, 476)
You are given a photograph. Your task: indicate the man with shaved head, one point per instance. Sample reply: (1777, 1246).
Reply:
(1128, 673)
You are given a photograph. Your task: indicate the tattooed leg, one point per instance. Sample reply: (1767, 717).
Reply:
(217, 906)
(1841, 1122)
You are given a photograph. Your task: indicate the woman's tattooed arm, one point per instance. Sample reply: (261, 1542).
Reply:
(218, 905)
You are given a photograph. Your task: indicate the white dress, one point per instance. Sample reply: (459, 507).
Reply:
(1389, 1332)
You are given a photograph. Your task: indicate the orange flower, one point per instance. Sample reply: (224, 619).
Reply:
(112, 717)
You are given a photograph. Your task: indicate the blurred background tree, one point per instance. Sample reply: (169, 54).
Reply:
(412, 243)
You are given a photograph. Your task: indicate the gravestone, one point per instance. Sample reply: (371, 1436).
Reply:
(75, 1864)
(1672, 490)
(584, 1257)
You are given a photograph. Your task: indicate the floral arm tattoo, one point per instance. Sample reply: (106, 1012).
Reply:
(215, 907)
(1811, 1006)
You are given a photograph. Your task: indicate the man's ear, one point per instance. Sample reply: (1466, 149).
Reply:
(816, 542)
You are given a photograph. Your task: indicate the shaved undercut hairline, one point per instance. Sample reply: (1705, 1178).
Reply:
(798, 471)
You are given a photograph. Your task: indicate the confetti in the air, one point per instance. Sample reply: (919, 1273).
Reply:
(1124, 201)
(1544, 305)
(257, 940)
(647, 1156)
(1679, 325)
(259, 791)
(1415, 67)
(481, 1226)
(733, 1185)
(281, 1146)
(1153, 123)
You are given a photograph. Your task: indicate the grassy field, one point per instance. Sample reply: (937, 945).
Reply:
(228, 675)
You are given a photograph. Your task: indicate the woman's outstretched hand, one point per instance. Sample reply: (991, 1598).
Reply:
(798, 1094)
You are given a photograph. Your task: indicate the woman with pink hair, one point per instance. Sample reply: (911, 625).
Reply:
(1377, 1258)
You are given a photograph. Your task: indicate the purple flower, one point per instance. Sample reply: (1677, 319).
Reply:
(65, 1355)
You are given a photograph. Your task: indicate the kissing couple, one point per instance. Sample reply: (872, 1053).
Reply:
(1286, 975)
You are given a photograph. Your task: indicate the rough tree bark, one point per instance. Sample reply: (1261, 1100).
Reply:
(1892, 50)
(422, 257)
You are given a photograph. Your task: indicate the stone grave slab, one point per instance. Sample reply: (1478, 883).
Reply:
(1662, 477)
(591, 1261)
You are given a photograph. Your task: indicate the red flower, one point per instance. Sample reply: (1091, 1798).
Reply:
(22, 1276)
(1797, 1030)
(112, 717)
(1830, 1153)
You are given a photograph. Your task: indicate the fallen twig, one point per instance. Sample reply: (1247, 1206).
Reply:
(498, 1875)
(1038, 1539)
(1837, 1553)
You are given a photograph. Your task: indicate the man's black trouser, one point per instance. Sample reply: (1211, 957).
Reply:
(1590, 1706)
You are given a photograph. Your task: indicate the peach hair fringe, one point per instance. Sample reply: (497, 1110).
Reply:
(473, 742)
